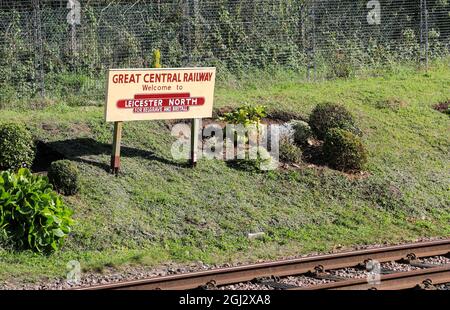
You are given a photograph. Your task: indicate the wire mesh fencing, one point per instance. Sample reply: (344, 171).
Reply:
(61, 48)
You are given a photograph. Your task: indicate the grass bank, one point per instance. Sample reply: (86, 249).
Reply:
(159, 210)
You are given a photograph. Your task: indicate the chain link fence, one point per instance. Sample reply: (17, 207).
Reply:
(63, 48)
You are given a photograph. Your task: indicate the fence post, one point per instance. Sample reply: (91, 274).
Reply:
(73, 18)
(424, 44)
(186, 33)
(73, 41)
(314, 39)
(311, 39)
(191, 11)
(195, 15)
(426, 33)
(39, 48)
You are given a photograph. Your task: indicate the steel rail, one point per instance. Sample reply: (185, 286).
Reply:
(231, 275)
(397, 281)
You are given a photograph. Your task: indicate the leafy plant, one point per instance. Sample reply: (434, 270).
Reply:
(331, 115)
(16, 146)
(343, 150)
(31, 213)
(64, 176)
(246, 115)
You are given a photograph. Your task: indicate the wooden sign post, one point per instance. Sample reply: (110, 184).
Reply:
(115, 155)
(195, 124)
(158, 94)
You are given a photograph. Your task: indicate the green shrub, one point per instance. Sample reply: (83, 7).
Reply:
(302, 132)
(289, 153)
(343, 150)
(246, 115)
(331, 115)
(64, 176)
(31, 213)
(16, 146)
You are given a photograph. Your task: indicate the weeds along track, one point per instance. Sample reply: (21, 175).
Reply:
(423, 265)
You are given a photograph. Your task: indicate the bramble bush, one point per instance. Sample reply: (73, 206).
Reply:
(32, 215)
(16, 146)
(344, 150)
(64, 176)
(331, 115)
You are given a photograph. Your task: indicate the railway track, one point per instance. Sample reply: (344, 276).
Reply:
(270, 274)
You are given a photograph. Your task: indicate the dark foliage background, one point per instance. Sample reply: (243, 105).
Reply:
(41, 53)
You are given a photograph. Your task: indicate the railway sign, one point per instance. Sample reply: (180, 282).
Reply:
(154, 94)
(150, 94)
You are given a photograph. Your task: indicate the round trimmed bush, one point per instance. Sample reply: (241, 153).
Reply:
(344, 150)
(302, 132)
(64, 176)
(331, 115)
(16, 146)
(289, 153)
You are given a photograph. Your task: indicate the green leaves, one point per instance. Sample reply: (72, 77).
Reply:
(246, 115)
(58, 233)
(31, 213)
